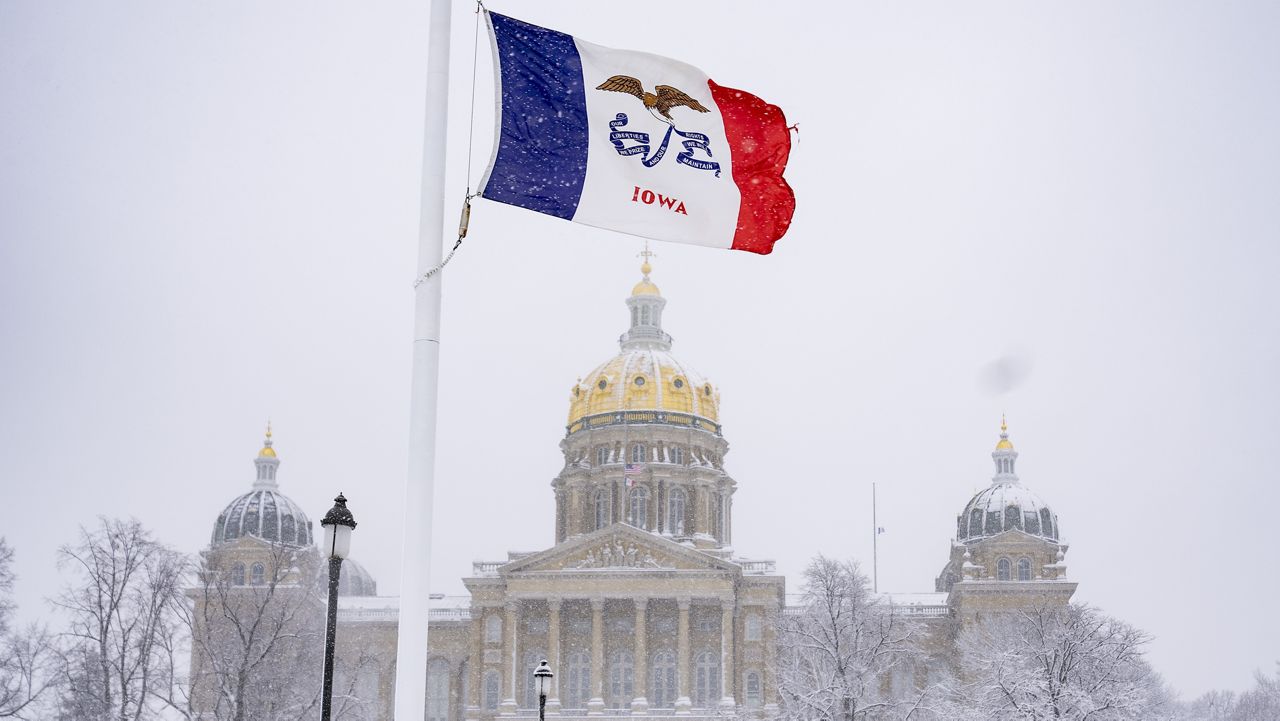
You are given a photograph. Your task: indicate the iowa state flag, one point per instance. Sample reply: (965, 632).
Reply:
(634, 142)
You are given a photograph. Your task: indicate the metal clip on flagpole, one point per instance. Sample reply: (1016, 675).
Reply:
(464, 220)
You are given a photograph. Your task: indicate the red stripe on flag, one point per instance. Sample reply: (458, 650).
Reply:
(759, 143)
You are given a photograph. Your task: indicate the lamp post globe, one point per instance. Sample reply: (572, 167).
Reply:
(542, 683)
(337, 524)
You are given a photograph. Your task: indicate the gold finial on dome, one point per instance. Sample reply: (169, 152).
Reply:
(267, 451)
(646, 286)
(1004, 444)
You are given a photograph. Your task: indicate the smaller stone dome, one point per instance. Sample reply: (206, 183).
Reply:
(354, 580)
(264, 514)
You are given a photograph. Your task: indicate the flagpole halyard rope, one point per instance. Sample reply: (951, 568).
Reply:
(465, 219)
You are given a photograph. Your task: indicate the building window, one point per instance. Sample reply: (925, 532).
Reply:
(237, 574)
(1046, 524)
(675, 512)
(1002, 569)
(752, 679)
(438, 690)
(602, 509)
(706, 687)
(622, 669)
(288, 530)
(1024, 569)
(258, 574)
(1031, 522)
(662, 682)
(677, 455)
(1012, 518)
(493, 629)
(637, 453)
(577, 688)
(993, 523)
(638, 507)
(492, 689)
(531, 661)
(602, 456)
(754, 627)
(644, 315)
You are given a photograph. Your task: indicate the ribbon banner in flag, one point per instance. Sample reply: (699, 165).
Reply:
(634, 142)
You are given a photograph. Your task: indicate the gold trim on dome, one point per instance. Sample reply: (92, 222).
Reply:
(659, 392)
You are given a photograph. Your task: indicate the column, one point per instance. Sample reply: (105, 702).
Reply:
(595, 707)
(682, 656)
(511, 658)
(727, 684)
(768, 681)
(553, 654)
(640, 704)
(475, 669)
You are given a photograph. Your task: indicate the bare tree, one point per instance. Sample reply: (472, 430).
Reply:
(1260, 703)
(126, 591)
(838, 652)
(256, 645)
(27, 656)
(1066, 663)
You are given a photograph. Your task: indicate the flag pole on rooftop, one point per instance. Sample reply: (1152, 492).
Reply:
(415, 554)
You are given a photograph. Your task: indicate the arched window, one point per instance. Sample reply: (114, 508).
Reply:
(602, 509)
(531, 661)
(637, 453)
(1024, 569)
(492, 689)
(438, 690)
(258, 574)
(493, 629)
(622, 670)
(638, 507)
(706, 686)
(675, 512)
(975, 522)
(577, 688)
(1002, 569)
(237, 574)
(662, 682)
(752, 683)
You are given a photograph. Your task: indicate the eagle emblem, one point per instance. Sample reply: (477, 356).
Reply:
(658, 103)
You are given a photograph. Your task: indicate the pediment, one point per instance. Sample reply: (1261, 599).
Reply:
(620, 548)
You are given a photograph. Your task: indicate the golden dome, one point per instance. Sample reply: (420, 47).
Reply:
(267, 451)
(643, 379)
(1004, 444)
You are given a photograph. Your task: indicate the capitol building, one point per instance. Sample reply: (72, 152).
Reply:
(641, 606)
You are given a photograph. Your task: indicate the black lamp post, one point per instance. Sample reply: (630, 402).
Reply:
(337, 524)
(542, 682)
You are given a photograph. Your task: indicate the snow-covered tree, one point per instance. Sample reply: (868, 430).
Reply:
(1262, 702)
(1065, 663)
(121, 605)
(257, 646)
(27, 656)
(837, 653)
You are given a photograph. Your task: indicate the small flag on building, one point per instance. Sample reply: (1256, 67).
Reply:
(632, 469)
(634, 142)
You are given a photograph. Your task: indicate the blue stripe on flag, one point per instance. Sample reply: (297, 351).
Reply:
(541, 161)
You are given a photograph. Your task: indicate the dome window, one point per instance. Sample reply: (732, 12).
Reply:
(639, 380)
(289, 530)
(678, 383)
(1003, 568)
(1024, 569)
(706, 390)
(602, 455)
(577, 391)
(975, 523)
(993, 523)
(1031, 523)
(602, 384)
(637, 453)
(1046, 524)
(1012, 518)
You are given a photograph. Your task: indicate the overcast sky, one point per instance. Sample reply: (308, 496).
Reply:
(1062, 211)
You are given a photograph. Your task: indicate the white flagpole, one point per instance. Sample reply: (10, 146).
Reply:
(415, 554)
